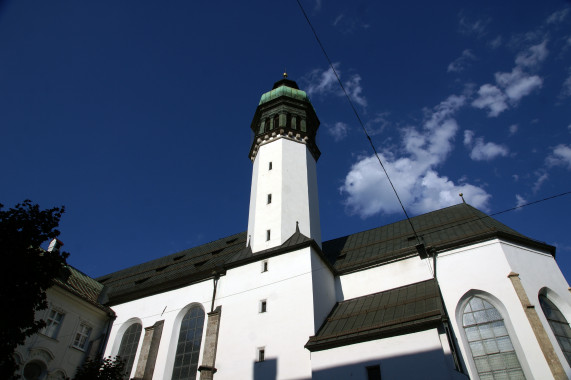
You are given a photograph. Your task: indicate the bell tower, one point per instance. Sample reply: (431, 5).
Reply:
(283, 197)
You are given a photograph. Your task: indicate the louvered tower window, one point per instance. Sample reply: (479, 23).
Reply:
(129, 344)
(490, 343)
(559, 325)
(188, 348)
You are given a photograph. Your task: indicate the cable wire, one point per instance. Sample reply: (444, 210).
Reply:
(358, 118)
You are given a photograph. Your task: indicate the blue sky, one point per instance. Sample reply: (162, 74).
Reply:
(135, 115)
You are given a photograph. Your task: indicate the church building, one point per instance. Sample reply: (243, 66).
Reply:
(459, 296)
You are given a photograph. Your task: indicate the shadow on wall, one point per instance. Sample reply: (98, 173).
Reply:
(422, 366)
(266, 370)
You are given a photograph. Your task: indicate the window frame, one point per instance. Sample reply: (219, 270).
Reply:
(186, 312)
(550, 320)
(467, 351)
(263, 308)
(129, 359)
(81, 338)
(53, 334)
(261, 354)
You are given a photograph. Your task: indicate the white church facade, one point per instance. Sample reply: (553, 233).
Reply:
(464, 297)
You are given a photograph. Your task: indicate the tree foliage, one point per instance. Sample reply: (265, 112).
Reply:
(26, 272)
(102, 369)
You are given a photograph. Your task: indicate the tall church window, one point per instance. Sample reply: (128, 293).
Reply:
(188, 348)
(558, 324)
(129, 344)
(490, 343)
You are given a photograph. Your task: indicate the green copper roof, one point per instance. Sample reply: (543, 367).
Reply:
(283, 91)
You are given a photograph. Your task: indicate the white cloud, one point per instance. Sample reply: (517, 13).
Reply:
(492, 98)
(519, 200)
(483, 151)
(541, 177)
(377, 124)
(339, 131)
(496, 42)
(513, 129)
(561, 156)
(460, 63)
(413, 173)
(324, 83)
(518, 84)
(557, 17)
(533, 56)
(473, 27)
(353, 87)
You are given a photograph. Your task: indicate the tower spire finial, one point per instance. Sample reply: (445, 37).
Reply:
(285, 73)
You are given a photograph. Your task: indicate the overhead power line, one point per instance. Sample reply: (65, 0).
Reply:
(358, 118)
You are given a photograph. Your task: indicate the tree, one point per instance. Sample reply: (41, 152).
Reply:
(26, 272)
(101, 369)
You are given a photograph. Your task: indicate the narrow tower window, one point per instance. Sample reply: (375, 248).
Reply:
(261, 354)
(268, 235)
(263, 306)
(269, 198)
(264, 266)
(270, 166)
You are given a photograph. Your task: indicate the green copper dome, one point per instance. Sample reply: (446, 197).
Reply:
(283, 90)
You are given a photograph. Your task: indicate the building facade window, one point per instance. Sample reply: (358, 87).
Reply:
(490, 343)
(128, 346)
(188, 348)
(264, 266)
(558, 324)
(269, 198)
(263, 306)
(261, 356)
(34, 370)
(82, 337)
(374, 372)
(268, 235)
(270, 166)
(53, 323)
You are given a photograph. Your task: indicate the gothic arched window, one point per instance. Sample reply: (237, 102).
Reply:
(490, 343)
(188, 347)
(129, 344)
(559, 325)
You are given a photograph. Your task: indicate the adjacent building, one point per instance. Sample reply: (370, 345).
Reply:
(462, 296)
(77, 326)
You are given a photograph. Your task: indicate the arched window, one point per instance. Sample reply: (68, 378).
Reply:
(188, 348)
(489, 341)
(129, 344)
(558, 324)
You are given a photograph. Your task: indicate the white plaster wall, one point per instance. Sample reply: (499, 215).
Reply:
(283, 330)
(538, 270)
(65, 357)
(324, 296)
(381, 278)
(290, 291)
(411, 356)
(293, 185)
(482, 269)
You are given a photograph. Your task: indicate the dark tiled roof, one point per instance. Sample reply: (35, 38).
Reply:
(84, 287)
(443, 229)
(409, 308)
(174, 271)
(446, 228)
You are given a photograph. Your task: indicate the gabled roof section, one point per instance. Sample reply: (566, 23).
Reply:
(173, 271)
(84, 287)
(397, 311)
(451, 227)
